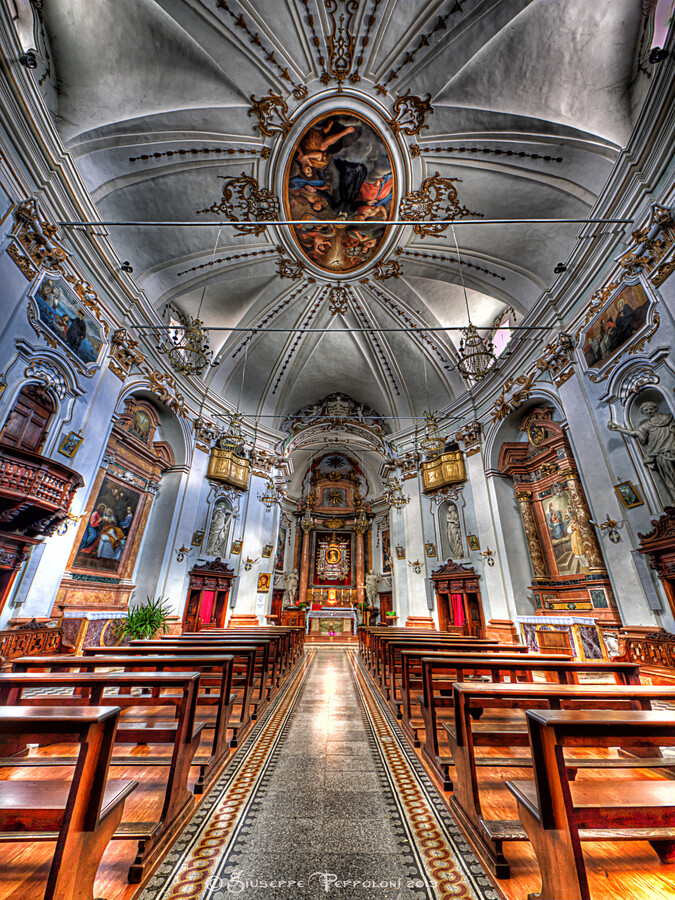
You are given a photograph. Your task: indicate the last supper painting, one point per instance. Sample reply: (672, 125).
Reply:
(340, 168)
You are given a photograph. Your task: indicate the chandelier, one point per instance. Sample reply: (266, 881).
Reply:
(232, 440)
(432, 443)
(394, 495)
(189, 350)
(476, 354)
(272, 496)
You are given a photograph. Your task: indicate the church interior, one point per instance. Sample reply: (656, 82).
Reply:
(337, 558)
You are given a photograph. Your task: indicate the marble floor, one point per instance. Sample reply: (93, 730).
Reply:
(332, 802)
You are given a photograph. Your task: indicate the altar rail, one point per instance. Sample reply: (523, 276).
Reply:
(29, 640)
(653, 650)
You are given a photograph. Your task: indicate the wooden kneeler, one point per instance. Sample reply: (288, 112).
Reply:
(81, 818)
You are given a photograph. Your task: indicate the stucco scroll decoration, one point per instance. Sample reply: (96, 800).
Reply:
(272, 113)
(34, 244)
(392, 268)
(558, 358)
(124, 353)
(245, 201)
(338, 297)
(651, 244)
(293, 269)
(470, 436)
(410, 113)
(437, 198)
(637, 380)
(48, 374)
(341, 40)
(556, 361)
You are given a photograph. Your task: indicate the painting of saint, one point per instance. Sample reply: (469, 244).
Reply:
(616, 325)
(108, 527)
(565, 536)
(63, 314)
(386, 552)
(340, 168)
(281, 548)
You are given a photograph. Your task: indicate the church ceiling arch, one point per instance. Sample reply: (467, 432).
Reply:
(169, 104)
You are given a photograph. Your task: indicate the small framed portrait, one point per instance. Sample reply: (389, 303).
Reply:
(70, 444)
(472, 541)
(400, 553)
(197, 538)
(263, 582)
(267, 551)
(430, 549)
(628, 494)
(236, 546)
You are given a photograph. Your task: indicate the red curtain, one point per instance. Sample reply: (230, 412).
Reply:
(457, 609)
(207, 606)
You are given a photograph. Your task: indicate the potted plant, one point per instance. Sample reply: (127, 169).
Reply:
(145, 620)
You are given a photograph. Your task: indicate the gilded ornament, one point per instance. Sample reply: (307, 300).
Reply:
(341, 40)
(245, 201)
(390, 269)
(410, 113)
(272, 113)
(437, 198)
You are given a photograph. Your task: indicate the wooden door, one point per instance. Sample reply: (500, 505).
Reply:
(26, 425)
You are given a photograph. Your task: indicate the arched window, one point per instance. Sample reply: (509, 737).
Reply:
(26, 425)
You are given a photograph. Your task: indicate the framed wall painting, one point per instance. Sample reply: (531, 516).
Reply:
(386, 552)
(111, 521)
(70, 444)
(279, 556)
(264, 582)
(400, 553)
(628, 494)
(473, 542)
(430, 549)
(626, 321)
(197, 538)
(236, 546)
(267, 551)
(63, 315)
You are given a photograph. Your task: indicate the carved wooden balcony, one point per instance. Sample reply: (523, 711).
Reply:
(35, 493)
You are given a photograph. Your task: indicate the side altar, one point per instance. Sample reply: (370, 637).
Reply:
(331, 613)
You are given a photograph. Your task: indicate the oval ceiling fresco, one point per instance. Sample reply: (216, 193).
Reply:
(340, 168)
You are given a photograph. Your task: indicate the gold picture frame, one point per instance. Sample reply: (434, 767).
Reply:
(70, 444)
(473, 542)
(430, 549)
(264, 580)
(628, 494)
(236, 546)
(267, 551)
(400, 553)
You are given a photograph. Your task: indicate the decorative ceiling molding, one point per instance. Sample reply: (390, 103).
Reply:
(419, 254)
(268, 110)
(416, 151)
(234, 257)
(410, 113)
(341, 40)
(437, 198)
(262, 152)
(245, 201)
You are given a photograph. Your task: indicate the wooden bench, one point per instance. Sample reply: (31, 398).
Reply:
(217, 673)
(243, 676)
(440, 671)
(557, 815)
(368, 641)
(508, 728)
(81, 816)
(183, 735)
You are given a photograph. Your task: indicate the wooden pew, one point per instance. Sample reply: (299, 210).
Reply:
(510, 730)
(367, 637)
(244, 660)
(216, 673)
(441, 670)
(411, 676)
(81, 816)
(557, 815)
(293, 638)
(262, 676)
(154, 838)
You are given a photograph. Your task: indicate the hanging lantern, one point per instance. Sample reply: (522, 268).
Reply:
(432, 443)
(394, 495)
(272, 495)
(189, 350)
(477, 354)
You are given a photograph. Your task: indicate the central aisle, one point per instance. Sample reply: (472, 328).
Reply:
(314, 806)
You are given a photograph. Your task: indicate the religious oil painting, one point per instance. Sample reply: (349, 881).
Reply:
(108, 528)
(473, 542)
(71, 444)
(236, 547)
(263, 582)
(564, 534)
(628, 494)
(62, 313)
(386, 552)
(340, 168)
(617, 324)
(281, 550)
(267, 551)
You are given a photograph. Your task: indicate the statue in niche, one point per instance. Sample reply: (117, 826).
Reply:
(216, 544)
(373, 580)
(291, 580)
(454, 531)
(656, 434)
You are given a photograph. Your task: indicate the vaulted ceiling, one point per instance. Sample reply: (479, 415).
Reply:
(531, 100)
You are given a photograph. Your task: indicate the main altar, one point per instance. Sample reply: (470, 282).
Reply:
(335, 613)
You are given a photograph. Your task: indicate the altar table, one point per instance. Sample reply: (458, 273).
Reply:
(332, 612)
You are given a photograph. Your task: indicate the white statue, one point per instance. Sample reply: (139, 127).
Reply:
(657, 436)
(454, 531)
(291, 580)
(373, 580)
(220, 525)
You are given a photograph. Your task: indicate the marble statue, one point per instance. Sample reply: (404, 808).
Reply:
(373, 580)
(291, 580)
(454, 531)
(656, 434)
(216, 544)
